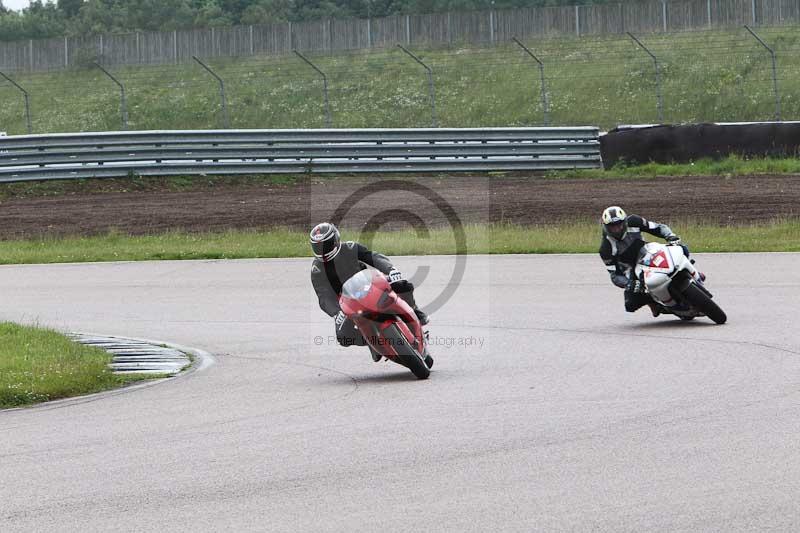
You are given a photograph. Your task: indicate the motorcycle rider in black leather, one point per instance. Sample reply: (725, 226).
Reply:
(622, 242)
(334, 263)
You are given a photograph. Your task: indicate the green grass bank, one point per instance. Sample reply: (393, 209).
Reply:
(604, 81)
(777, 236)
(38, 365)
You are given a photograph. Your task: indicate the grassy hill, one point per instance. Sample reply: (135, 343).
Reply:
(706, 76)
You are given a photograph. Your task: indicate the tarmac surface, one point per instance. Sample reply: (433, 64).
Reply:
(548, 409)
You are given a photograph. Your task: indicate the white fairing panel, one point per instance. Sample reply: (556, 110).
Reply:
(658, 265)
(657, 284)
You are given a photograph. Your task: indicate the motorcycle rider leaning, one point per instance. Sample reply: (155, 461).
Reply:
(336, 262)
(619, 249)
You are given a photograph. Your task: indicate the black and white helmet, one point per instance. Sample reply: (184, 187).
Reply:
(325, 241)
(615, 222)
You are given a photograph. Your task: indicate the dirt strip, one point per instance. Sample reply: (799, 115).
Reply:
(522, 200)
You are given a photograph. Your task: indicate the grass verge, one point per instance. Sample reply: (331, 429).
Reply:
(776, 236)
(38, 365)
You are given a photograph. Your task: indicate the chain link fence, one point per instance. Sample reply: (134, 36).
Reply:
(736, 75)
(481, 26)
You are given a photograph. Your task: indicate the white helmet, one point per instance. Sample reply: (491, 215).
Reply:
(615, 222)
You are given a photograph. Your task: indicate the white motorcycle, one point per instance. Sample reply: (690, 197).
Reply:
(675, 284)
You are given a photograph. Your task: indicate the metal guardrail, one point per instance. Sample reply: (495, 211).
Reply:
(165, 153)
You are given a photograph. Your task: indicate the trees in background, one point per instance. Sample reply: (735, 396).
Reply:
(75, 17)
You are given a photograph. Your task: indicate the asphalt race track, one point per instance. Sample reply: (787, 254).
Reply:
(549, 408)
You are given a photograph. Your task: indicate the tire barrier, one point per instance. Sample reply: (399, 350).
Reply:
(691, 142)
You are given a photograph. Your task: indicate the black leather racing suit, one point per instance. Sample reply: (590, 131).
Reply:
(620, 256)
(327, 277)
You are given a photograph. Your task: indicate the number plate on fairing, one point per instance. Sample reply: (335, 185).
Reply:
(656, 259)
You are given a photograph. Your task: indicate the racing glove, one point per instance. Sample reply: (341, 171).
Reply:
(674, 240)
(339, 319)
(635, 285)
(399, 283)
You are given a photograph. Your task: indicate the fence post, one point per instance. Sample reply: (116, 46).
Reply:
(252, 43)
(449, 27)
(225, 118)
(123, 104)
(659, 101)
(577, 20)
(30, 54)
(27, 101)
(408, 29)
(175, 45)
(708, 12)
(431, 88)
(66, 52)
(753, 11)
(664, 15)
(328, 122)
(545, 105)
(491, 23)
(774, 73)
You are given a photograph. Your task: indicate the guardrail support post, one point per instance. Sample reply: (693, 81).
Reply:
(774, 73)
(545, 104)
(123, 103)
(27, 101)
(431, 88)
(328, 121)
(225, 118)
(659, 99)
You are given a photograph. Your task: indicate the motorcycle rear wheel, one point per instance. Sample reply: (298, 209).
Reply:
(706, 305)
(406, 354)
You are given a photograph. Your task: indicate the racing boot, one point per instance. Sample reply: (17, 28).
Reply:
(655, 309)
(428, 359)
(375, 355)
(700, 275)
(426, 355)
(421, 315)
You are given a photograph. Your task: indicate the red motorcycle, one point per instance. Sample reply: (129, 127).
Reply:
(386, 321)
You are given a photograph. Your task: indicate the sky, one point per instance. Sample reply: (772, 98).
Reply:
(15, 4)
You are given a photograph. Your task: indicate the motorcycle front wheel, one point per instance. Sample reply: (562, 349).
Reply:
(406, 354)
(699, 299)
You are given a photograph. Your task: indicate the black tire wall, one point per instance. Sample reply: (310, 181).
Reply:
(691, 142)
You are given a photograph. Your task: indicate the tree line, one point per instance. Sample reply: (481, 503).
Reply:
(44, 19)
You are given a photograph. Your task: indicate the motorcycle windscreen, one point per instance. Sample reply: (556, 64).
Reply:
(358, 286)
